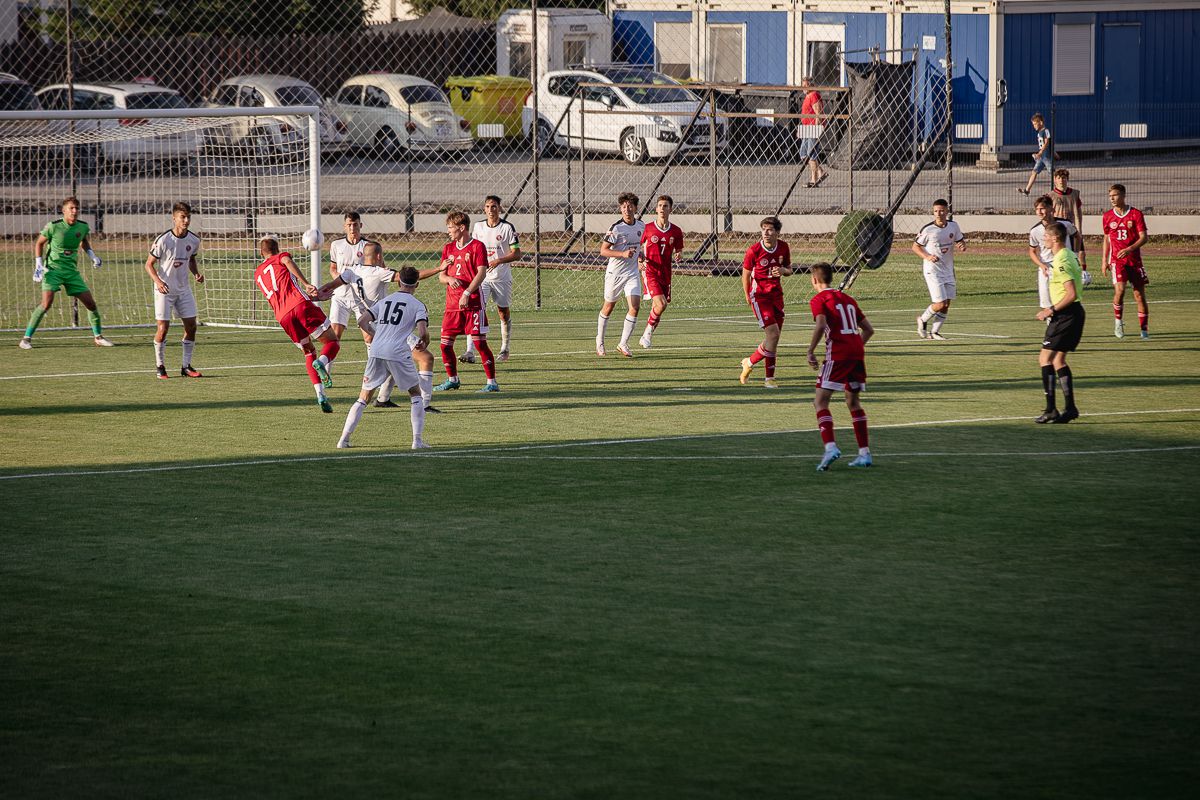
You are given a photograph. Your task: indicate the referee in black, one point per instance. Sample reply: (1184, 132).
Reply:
(1065, 329)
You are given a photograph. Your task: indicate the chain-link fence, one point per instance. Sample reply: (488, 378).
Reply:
(738, 110)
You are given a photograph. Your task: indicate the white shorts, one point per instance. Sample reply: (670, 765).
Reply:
(498, 292)
(341, 306)
(941, 286)
(183, 303)
(621, 283)
(1043, 289)
(378, 370)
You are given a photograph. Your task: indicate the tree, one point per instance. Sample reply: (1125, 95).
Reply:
(491, 9)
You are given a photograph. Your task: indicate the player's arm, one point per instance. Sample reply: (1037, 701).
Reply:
(607, 250)
(87, 248)
(472, 287)
(1069, 296)
(1035, 255)
(961, 244)
(924, 256)
(151, 261)
(1104, 253)
(819, 327)
(747, 273)
(1137, 244)
(39, 246)
(786, 268)
(422, 330)
(366, 321)
(868, 330)
(194, 268)
(292, 268)
(513, 255)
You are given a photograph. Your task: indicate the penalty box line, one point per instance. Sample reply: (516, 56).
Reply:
(512, 451)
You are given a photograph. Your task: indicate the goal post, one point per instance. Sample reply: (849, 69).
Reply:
(244, 172)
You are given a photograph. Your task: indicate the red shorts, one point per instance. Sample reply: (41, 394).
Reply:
(1131, 273)
(657, 284)
(472, 322)
(768, 309)
(839, 376)
(303, 321)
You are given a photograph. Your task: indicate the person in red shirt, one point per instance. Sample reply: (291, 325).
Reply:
(765, 262)
(1124, 236)
(839, 320)
(809, 133)
(464, 265)
(661, 240)
(291, 298)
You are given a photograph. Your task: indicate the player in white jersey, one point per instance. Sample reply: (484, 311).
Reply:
(1039, 246)
(935, 245)
(393, 320)
(499, 238)
(172, 257)
(346, 253)
(622, 246)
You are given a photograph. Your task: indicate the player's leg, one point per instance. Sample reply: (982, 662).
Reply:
(35, 319)
(162, 324)
(633, 298)
(479, 337)
(89, 303)
(941, 311)
(423, 359)
(770, 347)
(185, 307)
(1118, 306)
(452, 325)
(1139, 295)
(658, 307)
(1066, 382)
(1049, 384)
(858, 418)
(330, 346)
(606, 309)
(372, 377)
(310, 358)
(934, 284)
(825, 422)
(485, 296)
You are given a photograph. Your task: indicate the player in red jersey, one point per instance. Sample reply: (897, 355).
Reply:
(660, 241)
(838, 319)
(765, 262)
(291, 298)
(1124, 236)
(464, 264)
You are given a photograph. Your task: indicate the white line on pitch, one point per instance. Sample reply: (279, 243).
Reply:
(957, 333)
(509, 450)
(814, 456)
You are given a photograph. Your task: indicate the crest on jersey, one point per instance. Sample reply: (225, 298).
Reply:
(654, 239)
(762, 262)
(1112, 226)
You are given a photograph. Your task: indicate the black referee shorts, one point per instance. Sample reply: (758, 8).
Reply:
(1065, 329)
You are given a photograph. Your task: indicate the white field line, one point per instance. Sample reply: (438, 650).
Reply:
(814, 456)
(955, 333)
(510, 451)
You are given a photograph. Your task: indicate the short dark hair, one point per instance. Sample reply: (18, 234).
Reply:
(1037, 117)
(270, 244)
(1057, 231)
(353, 216)
(181, 206)
(773, 222)
(666, 197)
(941, 201)
(458, 218)
(1062, 172)
(491, 197)
(68, 200)
(823, 272)
(409, 276)
(1120, 187)
(374, 247)
(1044, 200)
(628, 197)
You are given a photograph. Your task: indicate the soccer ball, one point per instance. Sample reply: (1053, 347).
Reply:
(312, 239)
(1087, 278)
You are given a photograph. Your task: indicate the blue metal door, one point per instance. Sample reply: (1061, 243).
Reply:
(1122, 77)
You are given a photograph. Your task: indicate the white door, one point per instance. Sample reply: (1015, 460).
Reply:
(821, 54)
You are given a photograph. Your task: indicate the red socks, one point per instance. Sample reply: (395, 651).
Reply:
(825, 424)
(1118, 309)
(485, 358)
(770, 369)
(758, 355)
(330, 350)
(448, 359)
(764, 355)
(653, 319)
(860, 428)
(1143, 319)
(309, 358)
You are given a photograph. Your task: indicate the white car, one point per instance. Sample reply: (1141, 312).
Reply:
(653, 113)
(392, 113)
(135, 96)
(268, 135)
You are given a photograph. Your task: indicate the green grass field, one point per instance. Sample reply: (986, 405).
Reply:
(614, 579)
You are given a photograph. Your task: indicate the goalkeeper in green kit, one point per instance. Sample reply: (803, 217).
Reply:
(60, 269)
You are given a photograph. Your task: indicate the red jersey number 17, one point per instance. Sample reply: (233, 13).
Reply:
(274, 286)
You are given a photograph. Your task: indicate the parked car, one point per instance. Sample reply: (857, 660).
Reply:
(391, 114)
(268, 135)
(25, 159)
(653, 112)
(134, 96)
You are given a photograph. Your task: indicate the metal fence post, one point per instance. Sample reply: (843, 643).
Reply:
(537, 174)
(712, 170)
(949, 114)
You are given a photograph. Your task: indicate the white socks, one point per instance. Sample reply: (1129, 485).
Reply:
(160, 349)
(352, 419)
(505, 332)
(601, 326)
(417, 417)
(627, 329)
(938, 320)
(425, 384)
(320, 390)
(385, 390)
(188, 346)
(928, 314)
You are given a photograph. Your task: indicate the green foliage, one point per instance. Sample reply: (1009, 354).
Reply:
(491, 9)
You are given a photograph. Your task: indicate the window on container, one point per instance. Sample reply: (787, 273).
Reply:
(672, 51)
(823, 46)
(726, 54)
(520, 58)
(1074, 59)
(574, 52)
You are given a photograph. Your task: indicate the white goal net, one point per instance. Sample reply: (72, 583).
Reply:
(243, 176)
